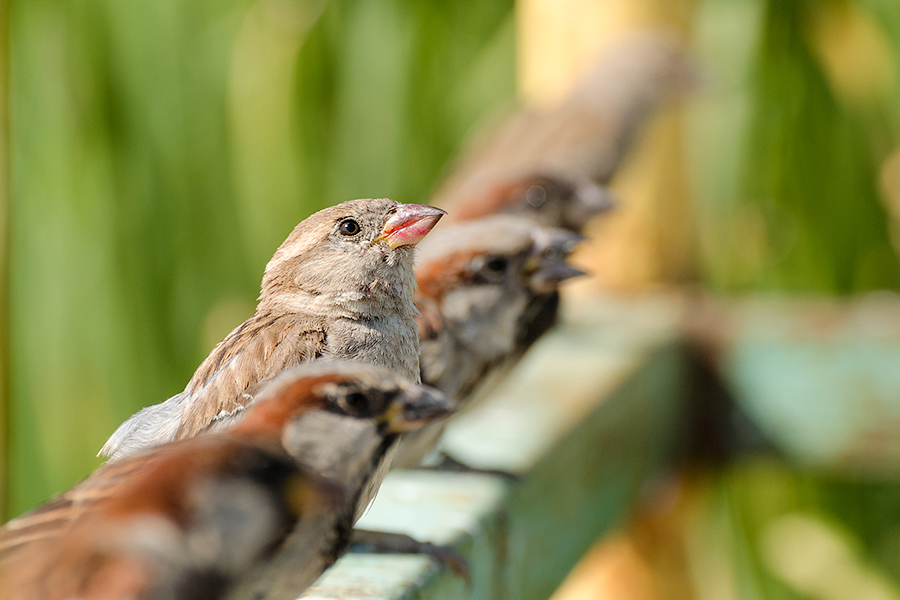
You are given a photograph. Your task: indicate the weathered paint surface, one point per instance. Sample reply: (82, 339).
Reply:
(821, 378)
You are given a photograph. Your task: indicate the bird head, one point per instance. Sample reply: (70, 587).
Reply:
(477, 283)
(557, 201)
(348, 256)
(551, 200)
(336, 416)
(476, 269)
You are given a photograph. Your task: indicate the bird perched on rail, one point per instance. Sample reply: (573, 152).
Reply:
(553, 164)
(487, 291)
(340, 286)
(549, 166)
(234, 512)
(558, 200)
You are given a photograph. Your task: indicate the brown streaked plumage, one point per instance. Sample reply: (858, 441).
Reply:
(487, 291)
(340, 286)
(133, 530)
(196, 518)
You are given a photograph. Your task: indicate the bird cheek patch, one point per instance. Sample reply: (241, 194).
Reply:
(393, 417)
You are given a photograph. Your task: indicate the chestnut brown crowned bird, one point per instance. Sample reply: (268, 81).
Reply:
(554, 163)
(237, 512)
(487, 291)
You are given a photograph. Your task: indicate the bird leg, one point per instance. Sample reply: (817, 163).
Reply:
(384, 542)
(449, 464)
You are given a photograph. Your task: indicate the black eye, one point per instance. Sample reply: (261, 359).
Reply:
(355, 401)
(496, 264)
(349, 227)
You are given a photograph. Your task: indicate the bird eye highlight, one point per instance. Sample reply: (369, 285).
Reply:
(535, 196)
(349, 227)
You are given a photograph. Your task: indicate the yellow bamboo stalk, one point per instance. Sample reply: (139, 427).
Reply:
(649, 240)
(559, 39)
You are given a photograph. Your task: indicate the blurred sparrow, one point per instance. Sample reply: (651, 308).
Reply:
(340, 286)
(233, 511)
(487, 291)
(554, 201)
(540, 160)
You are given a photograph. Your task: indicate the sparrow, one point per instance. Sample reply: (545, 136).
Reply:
(487, 292)
(340, 286)
(568, 201)
(555, 163)
(257, 510)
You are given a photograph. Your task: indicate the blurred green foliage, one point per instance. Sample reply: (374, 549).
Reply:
(795, 533)
(4, 257)
(790, 156)
(789, 143)
(162, 149)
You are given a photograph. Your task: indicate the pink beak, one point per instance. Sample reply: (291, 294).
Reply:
(410, 224)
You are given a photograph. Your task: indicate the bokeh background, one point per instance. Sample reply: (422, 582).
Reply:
(157, 151)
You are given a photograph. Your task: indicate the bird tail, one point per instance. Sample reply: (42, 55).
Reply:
(148, 427)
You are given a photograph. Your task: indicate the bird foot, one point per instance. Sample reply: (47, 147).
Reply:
(383, 542)
(451, 465)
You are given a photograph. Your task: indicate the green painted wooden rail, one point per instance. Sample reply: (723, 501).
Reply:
(585, 420)
(819, 377)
